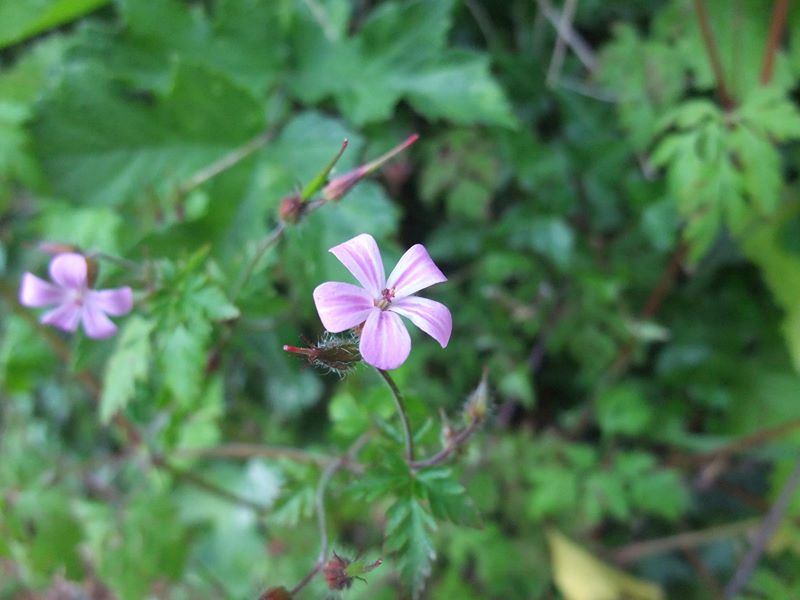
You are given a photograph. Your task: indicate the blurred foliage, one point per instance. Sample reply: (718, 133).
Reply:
(623, 254)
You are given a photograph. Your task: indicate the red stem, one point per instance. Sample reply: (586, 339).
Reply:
(713, 56)
(776, 28)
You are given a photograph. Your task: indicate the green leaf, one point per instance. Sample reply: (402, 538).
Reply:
(408, 527)
(555, 491)
(99, 146)
(624, 410)
(447, 497)
(400, 53)
(182, 358)
(22, 19)
(127, 365)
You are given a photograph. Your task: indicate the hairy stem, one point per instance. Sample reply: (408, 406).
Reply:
(458, 440)
(401, 411)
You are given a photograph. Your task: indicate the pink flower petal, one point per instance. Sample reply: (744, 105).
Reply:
(363, 259)
(65, 316)
(38, 292)
(385, 342)
(95, 323)
(432, 317)
(414, 271)
(69, 271)
(342, 306)
(116, 301)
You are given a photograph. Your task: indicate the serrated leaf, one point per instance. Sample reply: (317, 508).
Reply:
(99, 146)
(447, 497)
(127, 366)
(408, 527)
(182, 360)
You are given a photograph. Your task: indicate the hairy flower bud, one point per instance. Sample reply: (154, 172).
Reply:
(291, 208)
(340, 572)
(332, 353)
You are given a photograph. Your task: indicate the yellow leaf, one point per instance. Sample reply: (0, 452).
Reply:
(581, 576)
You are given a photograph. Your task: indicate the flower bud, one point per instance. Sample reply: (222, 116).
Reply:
(332, 353)
(340, 572)
(291, 208)
(339, 186)
(276, 593)
(478, 402)
(92, 270)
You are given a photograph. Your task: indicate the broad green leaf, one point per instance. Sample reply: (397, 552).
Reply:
(21, 19)
(400, 53)
(127, 366)
(100, 146)
(624, 410)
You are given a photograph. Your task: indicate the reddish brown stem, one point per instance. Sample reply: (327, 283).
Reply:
(713, 55)
(776, 28)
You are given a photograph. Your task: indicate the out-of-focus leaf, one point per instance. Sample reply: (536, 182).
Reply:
(581, 576)
(21, 19)
(126, 366)
(100, 146)
(408, 527)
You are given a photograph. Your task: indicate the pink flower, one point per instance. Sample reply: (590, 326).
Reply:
(385, 342)
(74, 301)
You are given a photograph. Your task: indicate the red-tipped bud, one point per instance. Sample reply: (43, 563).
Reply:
(276, 593)
(332, 353)
(339, 186)
(291, 208)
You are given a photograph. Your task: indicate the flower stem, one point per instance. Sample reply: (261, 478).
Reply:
(401, 410)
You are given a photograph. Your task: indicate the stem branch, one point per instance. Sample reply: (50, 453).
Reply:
(401, 411)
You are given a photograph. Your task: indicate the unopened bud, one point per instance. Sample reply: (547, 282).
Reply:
(332, 353)
(478, 402)
(276, 593)
(340, 572)
(339, 186)
(291, 208)
(448, 433)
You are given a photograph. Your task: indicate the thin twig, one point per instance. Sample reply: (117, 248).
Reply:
(208, 486)
(254, 451)
(456, 442)
(581, 49)
(713, 55)
(226, 162)
(637, 550)
(401, 411)
(764, 535)
(557, 59)
(744, 443)
(776, 28)
(322, 525)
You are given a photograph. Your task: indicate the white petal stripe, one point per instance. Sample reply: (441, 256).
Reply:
(414, 271)
(385, 343)
(342, 306)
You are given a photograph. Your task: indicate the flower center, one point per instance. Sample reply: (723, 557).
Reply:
(387, 295)
(77, 296)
